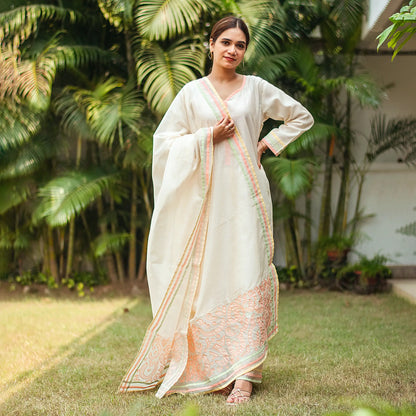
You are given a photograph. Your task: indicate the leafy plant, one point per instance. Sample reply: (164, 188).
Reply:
(402, 29)
(409, 229)
(29, 278)
(366, 276)
(291, 276)
(406, 410)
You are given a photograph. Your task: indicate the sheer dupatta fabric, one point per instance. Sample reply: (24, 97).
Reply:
(213, 286)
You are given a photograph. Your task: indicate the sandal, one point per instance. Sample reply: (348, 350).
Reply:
(238, 396)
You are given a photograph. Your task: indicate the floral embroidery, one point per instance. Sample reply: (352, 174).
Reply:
(226, 343)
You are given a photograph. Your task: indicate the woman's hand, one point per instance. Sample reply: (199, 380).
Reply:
(224, 129)
(261, 148)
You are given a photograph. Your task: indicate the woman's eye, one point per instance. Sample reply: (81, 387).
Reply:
(240, 46)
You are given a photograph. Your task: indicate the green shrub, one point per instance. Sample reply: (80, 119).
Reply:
(388, 411)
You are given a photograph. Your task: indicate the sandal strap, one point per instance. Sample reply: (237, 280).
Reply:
(238, 393)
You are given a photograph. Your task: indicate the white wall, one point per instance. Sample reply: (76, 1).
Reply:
(390, 187)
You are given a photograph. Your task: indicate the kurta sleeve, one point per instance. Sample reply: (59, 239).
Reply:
(280, 106)
(177, 151)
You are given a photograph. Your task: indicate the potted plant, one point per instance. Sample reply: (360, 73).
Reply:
(373, 274)
(366, 276)
(336, 248)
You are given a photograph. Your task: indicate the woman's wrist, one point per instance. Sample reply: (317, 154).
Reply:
(262, 146)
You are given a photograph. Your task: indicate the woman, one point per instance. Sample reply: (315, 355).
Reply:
(213, 285)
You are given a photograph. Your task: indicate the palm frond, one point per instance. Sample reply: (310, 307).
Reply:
(409, 229)
(17, 191)
(309, 139)
(31, 79)
(25, 78)
(103, 112)
(110, 243)
(271, 67)
(361, 87)
(266, 29)
(21, 22)
(121, 107)
(164, 72)
(17, 124)
(64, 197)
(348, 14)
(138, 150)
(306, 68)
(118, 12)
(410, 156)
(291, 176)
(397, 134)
(341, 23)
(13, 239)
(72, 113)
(25, 160)
(162, 19)
(76, 56)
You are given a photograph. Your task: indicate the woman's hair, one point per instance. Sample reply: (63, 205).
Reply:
(229, 22)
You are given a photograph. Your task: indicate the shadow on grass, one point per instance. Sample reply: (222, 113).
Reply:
(302, 375)
(83, 372)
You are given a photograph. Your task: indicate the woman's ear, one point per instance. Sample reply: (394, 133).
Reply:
(211, 44)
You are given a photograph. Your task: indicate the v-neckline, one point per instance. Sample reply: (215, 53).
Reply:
(230, 95)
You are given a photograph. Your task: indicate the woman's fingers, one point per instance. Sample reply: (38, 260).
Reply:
(224, 129)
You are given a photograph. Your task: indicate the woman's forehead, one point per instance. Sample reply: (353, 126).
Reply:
(235, 34)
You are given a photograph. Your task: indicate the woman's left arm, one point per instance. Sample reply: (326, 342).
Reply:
(279, 106)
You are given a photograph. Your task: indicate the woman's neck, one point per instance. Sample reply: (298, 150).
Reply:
(221, 75)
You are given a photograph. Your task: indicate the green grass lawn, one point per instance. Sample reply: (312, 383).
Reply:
(334, 352)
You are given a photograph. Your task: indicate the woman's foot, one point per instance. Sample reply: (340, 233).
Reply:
(241, 392)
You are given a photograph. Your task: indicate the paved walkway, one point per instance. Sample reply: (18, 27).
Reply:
(405, 288)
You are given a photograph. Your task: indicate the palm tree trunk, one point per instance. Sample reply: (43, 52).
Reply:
(294, 233)
(53, 266)
(90, 244)
(131, 65)
(119, 260)
(70, 253)
(289, 249)
(45, 249)
(308, 230)
(341, 212)
(71, 234)
(145, 193)
(133, 226)
(142, 267)
(61, 239)
(109, 259)
(358, 201)
(325, 214)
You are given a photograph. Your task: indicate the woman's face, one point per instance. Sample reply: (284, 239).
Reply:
(229, 48)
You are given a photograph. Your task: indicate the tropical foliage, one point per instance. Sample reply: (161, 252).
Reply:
(402, 29)
(83, 85)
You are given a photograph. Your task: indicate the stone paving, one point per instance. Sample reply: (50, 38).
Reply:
(405, 288)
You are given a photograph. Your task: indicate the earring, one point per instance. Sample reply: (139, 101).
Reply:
(210, 55)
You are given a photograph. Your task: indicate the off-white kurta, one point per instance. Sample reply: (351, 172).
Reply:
(213, 286)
